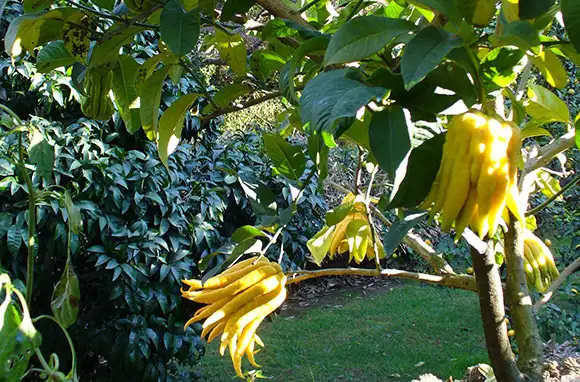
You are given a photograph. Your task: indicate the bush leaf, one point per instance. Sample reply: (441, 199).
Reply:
(179, 29)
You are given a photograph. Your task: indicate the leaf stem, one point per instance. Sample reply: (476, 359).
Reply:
(73, 371)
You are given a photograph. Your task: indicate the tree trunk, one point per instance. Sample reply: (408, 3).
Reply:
(492, 308)
(520, 302)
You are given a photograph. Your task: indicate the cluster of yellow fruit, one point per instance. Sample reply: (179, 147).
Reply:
(538, 263)
(239, 300)
(352, 234)
(477, 178)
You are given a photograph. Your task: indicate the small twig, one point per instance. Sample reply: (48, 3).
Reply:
(96, 12)
(537, 209)
(254, 102)
(355, 10)
(464, 282)
(200, 81)
(556, 284)
(306, 7)
(548, 152)
(358, 172)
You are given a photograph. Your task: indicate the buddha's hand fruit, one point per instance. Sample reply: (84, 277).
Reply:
(238, 301)
(539, 263)
(477, 178)
(96, 103)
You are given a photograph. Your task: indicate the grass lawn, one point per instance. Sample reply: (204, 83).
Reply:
(396, 334)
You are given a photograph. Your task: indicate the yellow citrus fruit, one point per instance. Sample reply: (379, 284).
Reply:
(469, 270)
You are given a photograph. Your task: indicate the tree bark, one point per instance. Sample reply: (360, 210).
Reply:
(284, 10)
(528, 338)
(492, 308)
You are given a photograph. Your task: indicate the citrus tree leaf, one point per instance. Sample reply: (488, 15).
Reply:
(107, 50)
(551, 68)
(66, 297)
(318, 152)
(571, 16)
(75, 219)
(246, 232)
(390, 134)
(227, 94)
(171, 125)
(106, 4)
(519, 33)
(41, 154)
(422, 167)
(233, 7)
(19, 336)
(312, 46)
(399, 229)
(262, 199)
(332, 98)
(320, 244)
(546, 106)
(179, 29)
(33, 6)
(53, 55)
(125, 92)
(150, 100)
(425, 52)
(363, 36)
(530, 9)
(531, 130)
(448, 8)
(14, 239)
(288, 160)
(500, 66)
(337, 214)
(232, 50)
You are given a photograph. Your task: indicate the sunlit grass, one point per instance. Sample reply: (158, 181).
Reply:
(397, 334)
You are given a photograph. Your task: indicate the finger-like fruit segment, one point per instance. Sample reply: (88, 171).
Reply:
(239, 300)
(477, 178)
(539, 263)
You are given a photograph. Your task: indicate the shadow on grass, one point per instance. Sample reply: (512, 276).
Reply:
(395, 335)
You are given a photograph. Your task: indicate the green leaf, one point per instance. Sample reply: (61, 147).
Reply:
(5, 223)
(289, 161)
(171, 125)
(179, 29)
(107, 50)
(422, 168)
(519, 33)
(234, 7)
(19, 336)
(318, 152)
(232, 50)
(262, 199)
(337, 214)
(125, 92)
(14, 239)
(332, 98)
(41, 154)
(399, 229)
(53, 55)
(446, 7)
(530, 130)
(74, 214)
(320, 244)
(425, 52)
(363, 36)
(312, 46)
(551, 68)
(571, 16)
(30, 31)
(106, 4)
(500, 67)
(246, 232)
(530, 9)
(390, 133)
(66, 297)
(150, 100)
(476, 12)
(33, 6)
(227, 94)
(546, 106)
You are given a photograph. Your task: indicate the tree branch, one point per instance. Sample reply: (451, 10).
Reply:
(281, 9)
(464, 282)
(556, 284)
(549, 151)
(254, 102)
(570, 184)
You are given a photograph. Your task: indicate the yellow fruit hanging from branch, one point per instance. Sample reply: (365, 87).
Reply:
(477, 178)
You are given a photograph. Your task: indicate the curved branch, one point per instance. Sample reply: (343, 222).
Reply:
(282, 9)
(464, 282)
(556, 284)
(537, 209)
(549, 151)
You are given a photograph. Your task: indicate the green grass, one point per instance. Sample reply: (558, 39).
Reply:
(380, 337)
